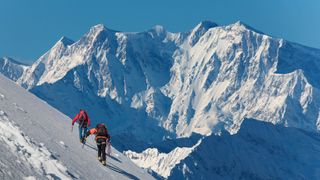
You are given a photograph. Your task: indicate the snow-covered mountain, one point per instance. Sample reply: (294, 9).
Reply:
(200, 81)
(11, 68)
(153, 86)
(36, 143)
(259, 150)
(160, 162)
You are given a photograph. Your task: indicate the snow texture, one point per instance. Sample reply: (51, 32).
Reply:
(36, 143)
(37, 156)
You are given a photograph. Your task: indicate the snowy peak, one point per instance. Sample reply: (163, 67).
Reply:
(97, 31)
(160, 163)
(45, 68)
(11, 68)
(158, 30)
(97, 37)
(241, 26)
(206, 25)
(56, 51)
(98, 28)
(60, 46)
(65, 41)
(159, 33)
(200, 30)
(66, 55)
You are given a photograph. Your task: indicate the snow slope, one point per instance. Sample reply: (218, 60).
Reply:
(36, 142)
(33, 156)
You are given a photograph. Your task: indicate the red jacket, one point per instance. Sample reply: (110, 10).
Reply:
(81, 114)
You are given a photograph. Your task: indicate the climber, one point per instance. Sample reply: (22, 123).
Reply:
(84, 122)
(102, 139)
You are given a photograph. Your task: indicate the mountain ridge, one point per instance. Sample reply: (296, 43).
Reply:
(101, 49)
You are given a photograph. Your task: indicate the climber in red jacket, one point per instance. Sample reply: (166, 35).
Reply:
(84, 122)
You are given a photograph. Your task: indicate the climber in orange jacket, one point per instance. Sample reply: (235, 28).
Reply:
(102, 138)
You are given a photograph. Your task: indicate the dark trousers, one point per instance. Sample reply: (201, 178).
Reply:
(102, 150)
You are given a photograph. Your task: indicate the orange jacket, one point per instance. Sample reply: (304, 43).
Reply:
(94, 131)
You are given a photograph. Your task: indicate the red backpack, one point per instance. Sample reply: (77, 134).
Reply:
(83, 118)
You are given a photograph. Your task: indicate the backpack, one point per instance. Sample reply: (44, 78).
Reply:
(102, 130)
(83, 120)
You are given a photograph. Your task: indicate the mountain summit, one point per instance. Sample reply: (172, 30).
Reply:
(65, 41)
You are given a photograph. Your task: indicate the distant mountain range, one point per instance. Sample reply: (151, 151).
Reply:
(154, 86)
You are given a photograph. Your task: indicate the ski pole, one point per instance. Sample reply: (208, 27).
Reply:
(72, 128)
(84, 141)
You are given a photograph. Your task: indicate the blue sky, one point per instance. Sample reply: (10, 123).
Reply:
(30, 27)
